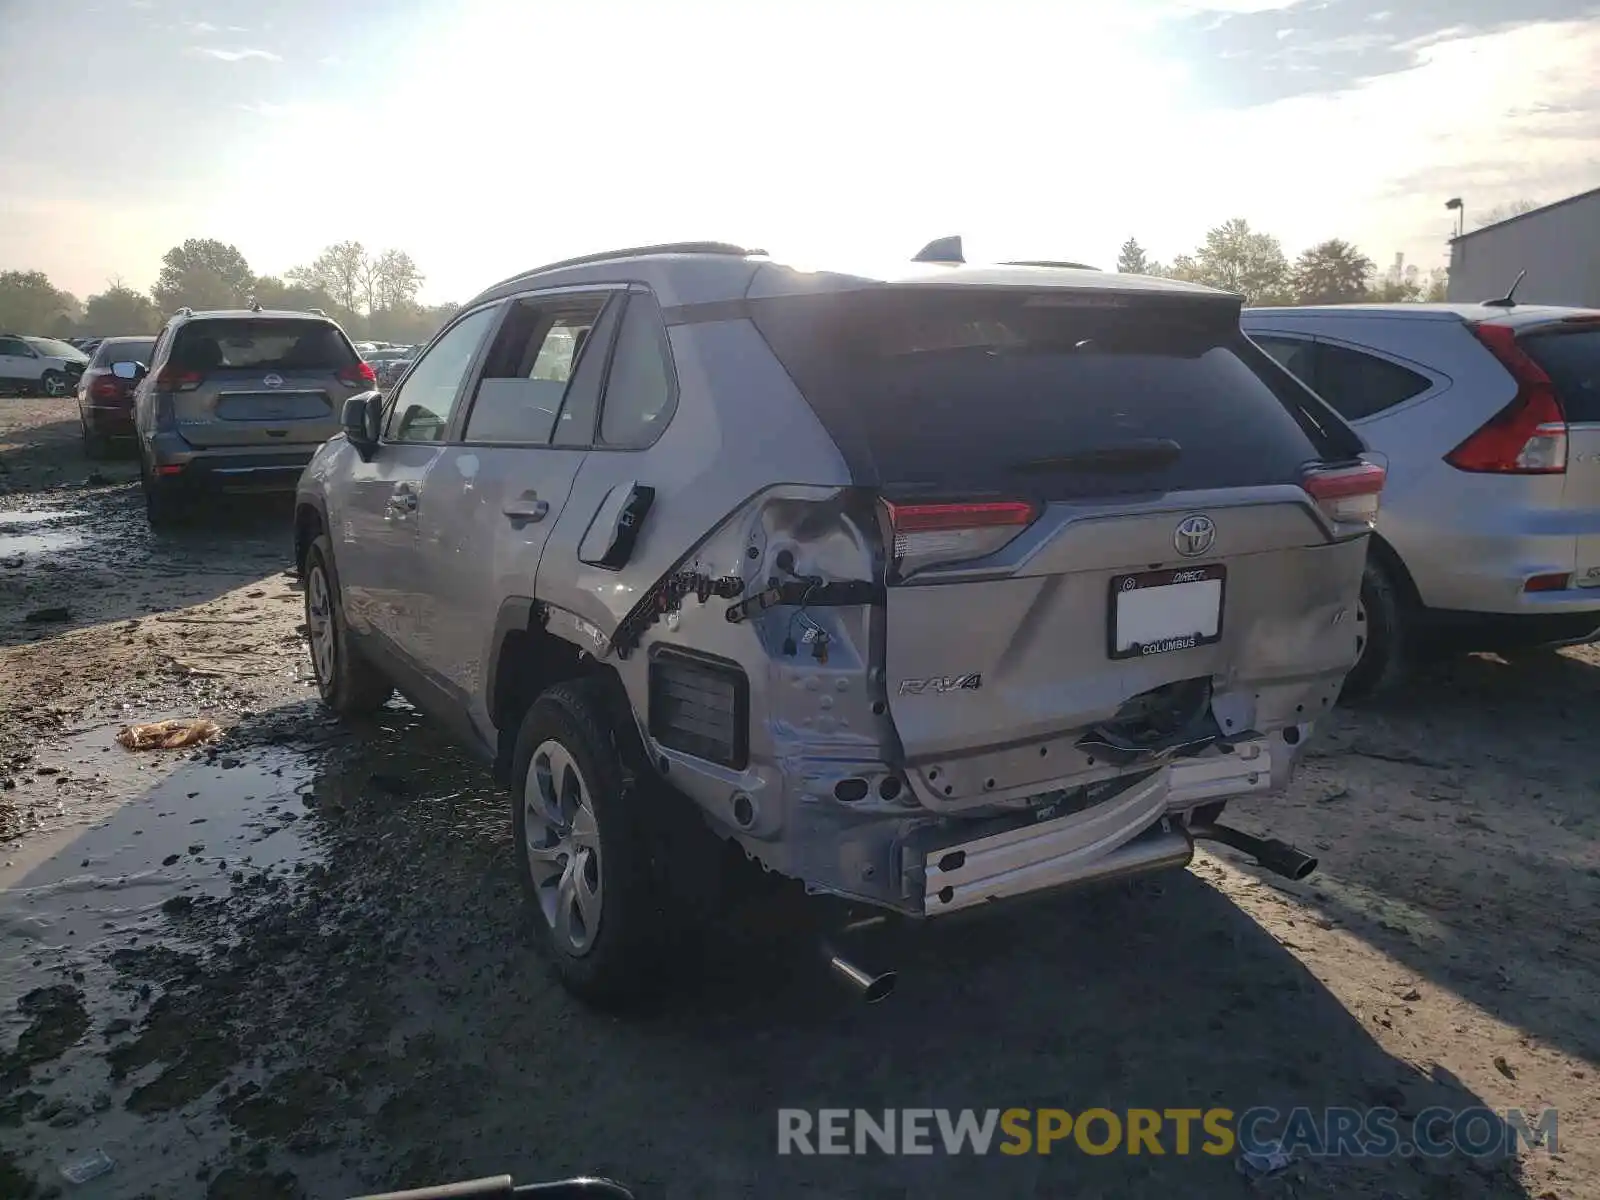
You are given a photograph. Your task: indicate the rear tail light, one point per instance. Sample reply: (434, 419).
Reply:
(106, 388)
(1547, 583)
(1527, 436)
(1347, 495)
(357, 374)
(173, 380)
(926, 535)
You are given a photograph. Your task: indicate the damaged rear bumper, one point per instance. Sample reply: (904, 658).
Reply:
(975, 863)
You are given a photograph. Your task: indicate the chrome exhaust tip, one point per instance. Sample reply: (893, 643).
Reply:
(870, 988)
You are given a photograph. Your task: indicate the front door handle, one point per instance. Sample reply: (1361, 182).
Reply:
(527, 507)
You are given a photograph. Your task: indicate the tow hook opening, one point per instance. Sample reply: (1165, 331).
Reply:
(1276, 856)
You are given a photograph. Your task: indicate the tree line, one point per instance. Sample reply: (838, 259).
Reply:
(1240, 259)
(373, 294)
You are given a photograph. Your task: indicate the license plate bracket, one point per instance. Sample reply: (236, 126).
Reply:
(1160, 612)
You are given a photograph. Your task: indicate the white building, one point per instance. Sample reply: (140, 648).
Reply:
(1558, 245)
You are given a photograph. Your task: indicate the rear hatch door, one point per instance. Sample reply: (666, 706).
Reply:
(262, 381)
(1568, 351)
(1096, 510)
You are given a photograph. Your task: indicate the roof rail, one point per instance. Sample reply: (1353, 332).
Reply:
(724, 248)
(1038, 262)
(185, 311)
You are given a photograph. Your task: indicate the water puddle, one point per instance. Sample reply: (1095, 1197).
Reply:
(165, 942)
(91, 890)
(20, 532)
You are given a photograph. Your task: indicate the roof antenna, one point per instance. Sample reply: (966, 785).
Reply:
(941, 250)
(1509, 300)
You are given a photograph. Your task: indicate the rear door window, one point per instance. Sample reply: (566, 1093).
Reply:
(266, 344)
(531, 369)
(1572, 360)
(1046, 395)
(1360, 385)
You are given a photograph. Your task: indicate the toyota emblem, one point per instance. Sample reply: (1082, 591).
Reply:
(273, 381)
(1194, 535)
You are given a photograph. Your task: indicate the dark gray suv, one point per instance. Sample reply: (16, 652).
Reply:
(237, 400)
(926, 589)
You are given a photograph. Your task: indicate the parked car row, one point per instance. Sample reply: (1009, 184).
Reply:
(924, 589)
(105, 401)
(1488, 417)
(39, 366)
(390, 362)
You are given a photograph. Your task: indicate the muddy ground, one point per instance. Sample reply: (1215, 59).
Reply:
(295, 962)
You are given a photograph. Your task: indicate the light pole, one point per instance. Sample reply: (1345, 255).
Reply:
(1461, 214)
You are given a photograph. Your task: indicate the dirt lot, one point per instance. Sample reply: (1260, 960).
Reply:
(293, 963)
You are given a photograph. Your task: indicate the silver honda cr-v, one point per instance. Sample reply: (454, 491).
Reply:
(927, 588)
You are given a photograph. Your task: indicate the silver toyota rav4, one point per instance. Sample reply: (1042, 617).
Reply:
(928, 587)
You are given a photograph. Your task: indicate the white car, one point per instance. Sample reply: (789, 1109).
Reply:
(39, 366)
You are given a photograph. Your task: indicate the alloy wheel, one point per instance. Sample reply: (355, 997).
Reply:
(563, 846)
(319, 624)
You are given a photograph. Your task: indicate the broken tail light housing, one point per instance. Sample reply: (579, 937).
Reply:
(926, 535)
(1527, 436)
(1347, 495)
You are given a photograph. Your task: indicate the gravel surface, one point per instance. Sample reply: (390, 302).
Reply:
(294, 962)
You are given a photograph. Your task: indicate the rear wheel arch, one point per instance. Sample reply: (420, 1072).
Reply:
(1388, 558)
(527, 659)
(309, 523)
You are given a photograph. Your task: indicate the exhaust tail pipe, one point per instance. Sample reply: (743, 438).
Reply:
(1278, 857)
(869, 987)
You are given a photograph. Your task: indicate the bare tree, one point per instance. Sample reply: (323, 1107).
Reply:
(340, 271)
(1504, 212)
(392, 281)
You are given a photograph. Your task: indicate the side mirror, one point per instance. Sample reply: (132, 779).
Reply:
(362, 420)
(129, 370)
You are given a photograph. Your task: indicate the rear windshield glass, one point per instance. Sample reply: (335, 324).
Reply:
(115, 352)
(1572, 360)
(262, 344)
(1045, 396)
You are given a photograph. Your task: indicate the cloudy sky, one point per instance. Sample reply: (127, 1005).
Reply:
(486, 136)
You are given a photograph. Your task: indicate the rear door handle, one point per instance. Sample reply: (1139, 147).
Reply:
(527, 507)
(404, 500)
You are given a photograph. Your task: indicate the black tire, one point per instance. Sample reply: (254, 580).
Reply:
(163, 505)
(1384, 635)
(630, 936)
(54, 385)
(347, 681)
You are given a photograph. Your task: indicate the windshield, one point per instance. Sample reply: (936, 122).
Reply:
(261, 344)
(1572, 360)
(124, 351)
(57, 349)
(1008, 392)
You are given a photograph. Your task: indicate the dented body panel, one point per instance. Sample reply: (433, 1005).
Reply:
(920, 741)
